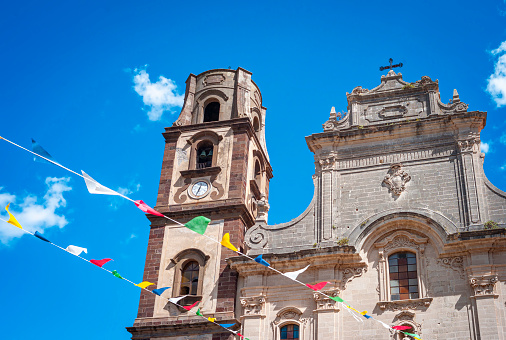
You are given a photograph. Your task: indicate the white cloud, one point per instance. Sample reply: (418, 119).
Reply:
(502, 139)
(34, 214)
(117, 201)
(485, 147)
(160, 96)
(497, 81)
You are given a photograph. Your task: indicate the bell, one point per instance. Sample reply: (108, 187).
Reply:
(210, 152)
(203, 154)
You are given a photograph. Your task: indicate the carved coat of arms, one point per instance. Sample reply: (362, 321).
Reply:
(396, 179)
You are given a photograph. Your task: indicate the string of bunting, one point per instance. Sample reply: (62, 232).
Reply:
(77, 251)
(199, 225)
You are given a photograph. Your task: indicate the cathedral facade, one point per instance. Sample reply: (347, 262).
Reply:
(403, 222)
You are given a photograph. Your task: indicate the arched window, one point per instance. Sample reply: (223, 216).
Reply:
(212, 112)
(204, 155)
(289, 332)
(402, 336)
(403, 276)
(190, 278)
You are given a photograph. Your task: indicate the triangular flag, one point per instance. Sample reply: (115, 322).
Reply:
(176, 300)
(226, 325)
(318, 286)
(411, 334)
(337, 298)
(199, 313)
(240, 334)
(384, 324)
(260, 260)
(401, 328)
(96, 188)
(115, 273)
(147, 209)
(39, 235)
(12, 220)
(159, 291)
(198, 224)
(76, 250)
(191, 306)
(211, 319)
(364, 313)
(36, 148)
(225, 241)
(293, 275)
(100, 263)
(145, 284)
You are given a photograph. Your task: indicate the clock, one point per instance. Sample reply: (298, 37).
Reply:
(199, 189)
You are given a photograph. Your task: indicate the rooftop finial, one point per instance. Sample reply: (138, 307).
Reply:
(391, 66)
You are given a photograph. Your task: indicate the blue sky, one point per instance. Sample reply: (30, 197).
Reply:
(77, 76)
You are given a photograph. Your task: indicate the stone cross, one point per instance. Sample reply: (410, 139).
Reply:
(391, 66)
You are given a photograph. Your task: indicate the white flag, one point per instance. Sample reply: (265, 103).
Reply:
(293, 275)
(176, 300)
(384, 324)
(96, 188)
(76, 250)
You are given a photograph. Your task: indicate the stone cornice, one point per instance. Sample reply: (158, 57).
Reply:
(370, 133)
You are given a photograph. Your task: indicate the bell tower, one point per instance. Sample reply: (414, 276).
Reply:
(215, 164)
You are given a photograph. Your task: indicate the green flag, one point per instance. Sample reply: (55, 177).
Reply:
(198, 312)
(411, 334)
(115, 273)
(198, 224)
(337, 298)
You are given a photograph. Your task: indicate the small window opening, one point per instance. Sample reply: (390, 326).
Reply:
(403, 276)
(256, 124)
(190, 279)
(205, 155)
(258, 173)
(212, 112)
(290, 332)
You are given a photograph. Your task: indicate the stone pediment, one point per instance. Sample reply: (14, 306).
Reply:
(393, 101)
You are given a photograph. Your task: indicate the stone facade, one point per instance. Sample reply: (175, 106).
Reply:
(399, 172)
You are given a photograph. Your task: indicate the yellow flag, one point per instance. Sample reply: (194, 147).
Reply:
(144, 284)
(225, 241)
(12, 220)
(211, 319)
(364, 312)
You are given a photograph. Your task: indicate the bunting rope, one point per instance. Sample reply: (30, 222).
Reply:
(143, 285)
(199, 225)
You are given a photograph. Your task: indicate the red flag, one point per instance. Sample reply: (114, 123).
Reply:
(242, 336)
(100, 263)
(318, 286)
(401, 328)
(147, 209)
(190, 307)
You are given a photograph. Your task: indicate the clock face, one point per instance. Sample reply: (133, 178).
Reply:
(200, 188)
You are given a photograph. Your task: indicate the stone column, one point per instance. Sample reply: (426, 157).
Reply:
(468, 179)
(253, 316)
(484, 306)
(326, 316)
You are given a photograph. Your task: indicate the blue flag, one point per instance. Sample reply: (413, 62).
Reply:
(260, 260)
(226, 325)
(40, 150)
(159, 291)
(39, 235)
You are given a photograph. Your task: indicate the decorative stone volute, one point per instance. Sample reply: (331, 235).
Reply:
(483, 285)
(323, 302)
(253, 305)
